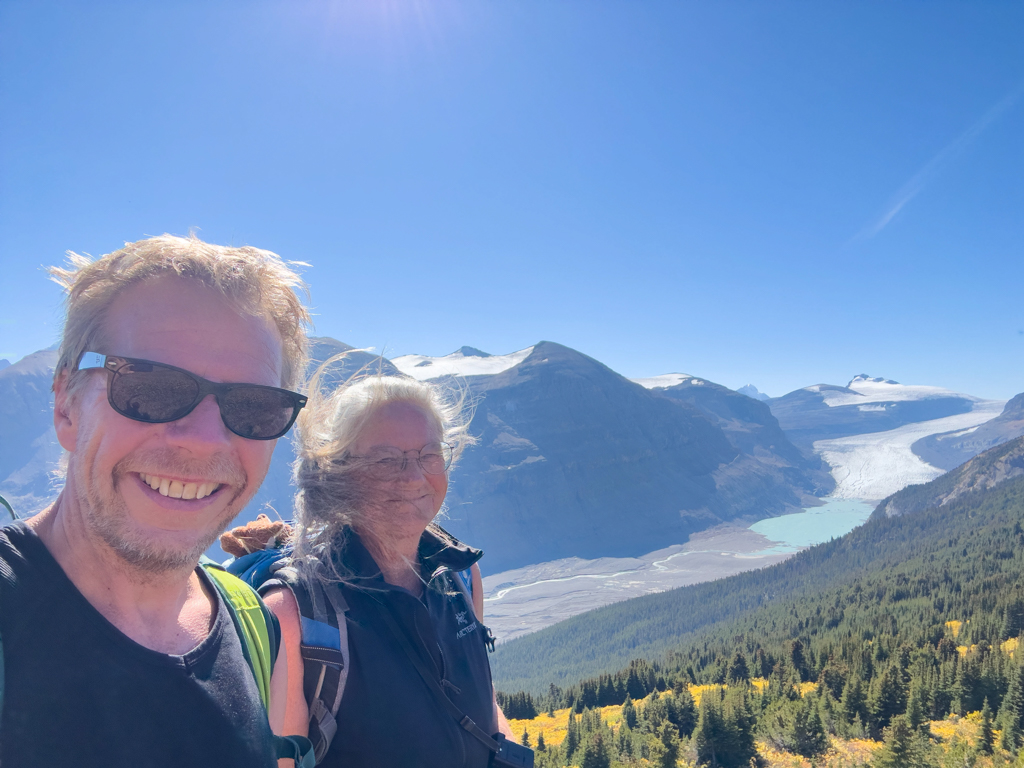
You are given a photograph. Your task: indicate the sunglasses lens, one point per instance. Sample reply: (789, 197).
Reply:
(152, 393)
(258, 413)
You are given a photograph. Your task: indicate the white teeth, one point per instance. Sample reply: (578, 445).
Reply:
(176, 489)
(205, 489)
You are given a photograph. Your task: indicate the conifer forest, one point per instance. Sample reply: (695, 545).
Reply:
(902, 635)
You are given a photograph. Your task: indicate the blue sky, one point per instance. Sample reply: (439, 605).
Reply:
(775, 193)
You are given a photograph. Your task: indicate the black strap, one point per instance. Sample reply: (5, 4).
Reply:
(417, 661)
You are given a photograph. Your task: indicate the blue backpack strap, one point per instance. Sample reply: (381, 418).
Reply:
(324, 649)
(467, 579)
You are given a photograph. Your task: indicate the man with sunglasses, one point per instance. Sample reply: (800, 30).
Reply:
(174, 380)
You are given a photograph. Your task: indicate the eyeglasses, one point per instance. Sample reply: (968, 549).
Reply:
(386, 463)
(155, 393)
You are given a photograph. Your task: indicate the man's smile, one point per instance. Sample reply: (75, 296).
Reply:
(177, 489)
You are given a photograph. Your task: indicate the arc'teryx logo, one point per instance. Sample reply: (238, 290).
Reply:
(461, 617)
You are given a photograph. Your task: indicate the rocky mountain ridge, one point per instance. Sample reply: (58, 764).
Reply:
(983, 472)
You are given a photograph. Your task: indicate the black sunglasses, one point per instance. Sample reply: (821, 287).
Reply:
(155, 393)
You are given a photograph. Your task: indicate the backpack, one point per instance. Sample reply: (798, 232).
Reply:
(324, 636)
(324, 633)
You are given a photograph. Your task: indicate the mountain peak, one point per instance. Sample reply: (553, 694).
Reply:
(666, 380)
(863, 378)
(471, 352)
(751, 391)
(4, 363)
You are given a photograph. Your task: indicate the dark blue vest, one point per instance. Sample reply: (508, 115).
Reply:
(388, 717)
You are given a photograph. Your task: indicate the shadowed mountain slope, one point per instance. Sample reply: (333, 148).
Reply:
(751, 427)
(576, 460)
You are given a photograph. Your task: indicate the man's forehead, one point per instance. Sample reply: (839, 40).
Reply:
(187, 324)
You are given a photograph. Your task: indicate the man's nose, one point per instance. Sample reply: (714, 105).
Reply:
(202, 430)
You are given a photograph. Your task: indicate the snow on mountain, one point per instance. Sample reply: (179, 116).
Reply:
(863, 389)
(875, 465)
(667, 380)
(464, 362)
(751, 391)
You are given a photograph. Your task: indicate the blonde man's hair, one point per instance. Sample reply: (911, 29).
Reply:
(254, 282)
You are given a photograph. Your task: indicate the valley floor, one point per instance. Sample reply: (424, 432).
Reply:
(527, 599)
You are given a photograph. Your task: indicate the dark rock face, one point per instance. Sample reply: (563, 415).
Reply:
(28, 444)
(576, 460)
(805, 416)
(984, 471)
(751, 428)
(950, 450)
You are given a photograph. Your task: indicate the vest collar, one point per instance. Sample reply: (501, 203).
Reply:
(439, 551)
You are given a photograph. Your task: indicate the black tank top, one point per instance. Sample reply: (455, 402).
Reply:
(80, 693)
(388, 717)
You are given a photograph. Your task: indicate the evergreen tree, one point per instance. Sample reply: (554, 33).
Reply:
(739, 722)
(853, 705)
(808, 733)
(629, 713)
(596, 753)
(669, 747)
(572, 738)
(738, 671)
(985, 735)
(1011, 713)
(915, 707)
(797, 659)
(888, 697)
(902, 747)
(541, 746)
(681, 711)
(634, 687)
(1013, 619)
(525, 740)
(710, 734)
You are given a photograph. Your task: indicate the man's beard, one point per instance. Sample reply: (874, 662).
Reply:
(109, 518)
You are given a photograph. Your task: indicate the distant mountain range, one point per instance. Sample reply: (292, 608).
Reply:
(574, 459)
(866, 404)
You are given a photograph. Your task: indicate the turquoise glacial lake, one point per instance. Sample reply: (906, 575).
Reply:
(814, 525)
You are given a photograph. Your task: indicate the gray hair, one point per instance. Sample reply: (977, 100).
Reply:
(332, 495)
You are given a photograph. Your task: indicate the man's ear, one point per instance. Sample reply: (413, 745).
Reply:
(65, 414)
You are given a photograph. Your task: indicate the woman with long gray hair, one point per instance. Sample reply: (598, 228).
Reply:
(372, 473)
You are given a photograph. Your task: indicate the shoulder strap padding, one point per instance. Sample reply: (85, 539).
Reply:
(254, 624)
(324, 649)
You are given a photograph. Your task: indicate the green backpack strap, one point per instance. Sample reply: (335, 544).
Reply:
(254, 624)
(257, 629)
